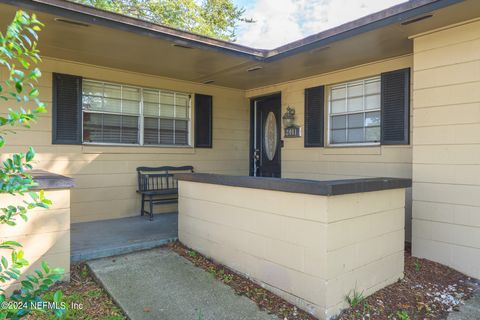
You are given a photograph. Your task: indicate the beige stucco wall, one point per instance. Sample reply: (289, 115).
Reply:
(341, 162)
(312, 250)
(105, 177)
(46, 234)
(446, 147)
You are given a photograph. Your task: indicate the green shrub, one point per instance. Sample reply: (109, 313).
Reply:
(19, 87)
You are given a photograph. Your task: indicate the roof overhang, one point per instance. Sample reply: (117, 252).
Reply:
(117, 41)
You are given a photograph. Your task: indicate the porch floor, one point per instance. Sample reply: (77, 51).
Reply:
(99, 239)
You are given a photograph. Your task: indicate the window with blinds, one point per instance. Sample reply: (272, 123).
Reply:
(354, 112)
(122, 114)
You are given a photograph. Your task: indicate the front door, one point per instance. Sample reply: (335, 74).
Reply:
(266, 126)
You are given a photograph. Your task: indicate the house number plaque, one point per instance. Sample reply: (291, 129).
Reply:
(293, 132)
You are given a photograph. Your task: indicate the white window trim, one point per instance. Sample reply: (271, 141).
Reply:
(329, 101)
(141, 119)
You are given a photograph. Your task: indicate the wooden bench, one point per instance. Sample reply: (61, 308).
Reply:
(158, 186)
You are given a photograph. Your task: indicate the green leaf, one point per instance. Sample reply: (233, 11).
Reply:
(30, 154)
(45, 267)
(34, 92)
(27, 284)
(19, 87)
(57, 297)
(39, 273)
(34, 196)
(24, 62)
(35, 73)
(4, 262)
(58, 270)
(12, 275)
(32, 279)
(11, 243)
(54, 276)
(14, 257)
(58, 312)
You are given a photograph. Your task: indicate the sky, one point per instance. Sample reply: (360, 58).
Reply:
(279, 22)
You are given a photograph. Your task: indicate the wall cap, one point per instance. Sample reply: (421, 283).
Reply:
(48, 180)
(323, 188)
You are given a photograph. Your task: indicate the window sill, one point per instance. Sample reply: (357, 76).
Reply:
(137, 149)
(354, 149)
(353, 145)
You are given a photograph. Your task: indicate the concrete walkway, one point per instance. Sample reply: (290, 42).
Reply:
(469, 311)
(159, 284)
(98, 239)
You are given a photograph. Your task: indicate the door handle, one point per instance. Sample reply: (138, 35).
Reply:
(256, 162)
(256, 155)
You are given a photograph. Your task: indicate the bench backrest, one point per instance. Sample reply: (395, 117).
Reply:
(159, 178)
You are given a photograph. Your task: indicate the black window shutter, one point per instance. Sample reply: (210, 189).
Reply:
(396, 107)
(67, 109)
(203, 121)
(314, 117)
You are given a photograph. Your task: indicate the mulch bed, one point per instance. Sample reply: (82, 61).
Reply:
(82, 289)
(428, 291)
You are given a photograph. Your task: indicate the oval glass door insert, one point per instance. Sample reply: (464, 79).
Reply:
(270, 136)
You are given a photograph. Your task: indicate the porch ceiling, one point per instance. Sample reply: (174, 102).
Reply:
(227, 64)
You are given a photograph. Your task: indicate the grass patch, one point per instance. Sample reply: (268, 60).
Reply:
(354, 298)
